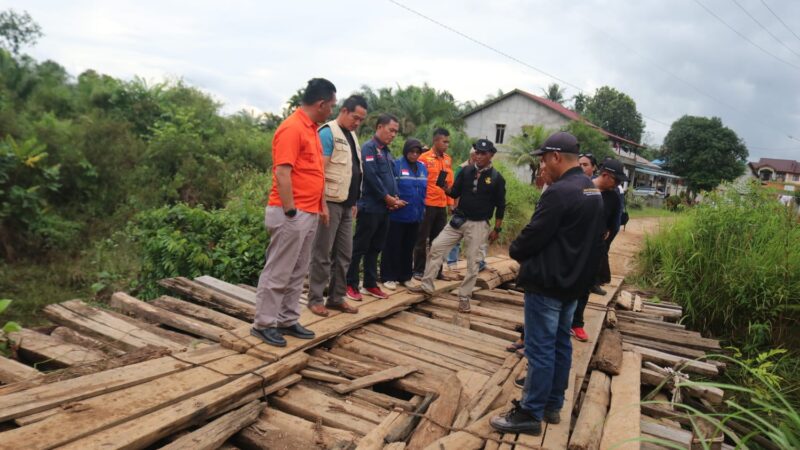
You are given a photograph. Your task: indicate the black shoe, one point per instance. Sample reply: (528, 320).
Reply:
(520, 382)
(297, 331)
(517, 420)
(552, 417)
(596, 289)
(269, 335)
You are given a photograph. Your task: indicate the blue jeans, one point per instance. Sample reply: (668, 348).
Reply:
(549, 352)
(452, 257)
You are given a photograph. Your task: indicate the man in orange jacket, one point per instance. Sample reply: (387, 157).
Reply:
(437, 203)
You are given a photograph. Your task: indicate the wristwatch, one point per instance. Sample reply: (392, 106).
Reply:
(498, 229)
(290, 213)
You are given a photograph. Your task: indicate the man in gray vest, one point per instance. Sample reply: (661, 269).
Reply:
(342, 156)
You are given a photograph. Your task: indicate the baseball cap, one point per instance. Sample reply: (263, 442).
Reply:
(559, 142)
(614, 167)
(484, 145)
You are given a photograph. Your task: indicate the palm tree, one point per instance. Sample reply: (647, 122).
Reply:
(554, 93)
(522, 146)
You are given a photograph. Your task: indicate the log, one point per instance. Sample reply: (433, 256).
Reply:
(442, 411)
(12, 371)
(148, 429)
(213, 435)
(625, 300)
(73, 337)
(611, 319)
(146, 311)
(375, 378)
(402, 428)
(43, 349)
(488, 392)
(276, 429)
(232, 290)
(608, 356)
(198, 312)
(621, 428)
(592, 417)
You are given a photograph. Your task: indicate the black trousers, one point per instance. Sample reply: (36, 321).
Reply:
(432, 224)
(603, 276)
(368, 242)
(577, 319)
(397, 256)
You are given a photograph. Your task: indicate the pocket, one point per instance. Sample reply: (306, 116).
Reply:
(332, 187)
(340, 156)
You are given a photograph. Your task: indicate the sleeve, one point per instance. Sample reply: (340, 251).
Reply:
(326, 138)
(455, 192)
(371, 175)
(500, 198)
(450, 179)
(286, 146)
(540, 230)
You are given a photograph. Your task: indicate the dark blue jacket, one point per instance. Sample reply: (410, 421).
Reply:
(412, 187)
(378, 177)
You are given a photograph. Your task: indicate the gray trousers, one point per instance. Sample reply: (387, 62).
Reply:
(474, 234)
(330, 256)
(286, 266)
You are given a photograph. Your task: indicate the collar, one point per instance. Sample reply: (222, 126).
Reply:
(305, 119)
(380, 144)
(572, 171)
(479, 170)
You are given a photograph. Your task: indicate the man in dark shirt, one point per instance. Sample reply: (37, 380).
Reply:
(333, 243)
(481, 191)
(558, 253)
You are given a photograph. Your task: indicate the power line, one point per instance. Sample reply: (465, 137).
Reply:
(780, 20)
(765, 28)
(501, 53)
(745, 37)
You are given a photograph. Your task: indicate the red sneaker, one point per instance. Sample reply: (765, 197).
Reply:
(353, 294)
(579, 333)
(375, 292)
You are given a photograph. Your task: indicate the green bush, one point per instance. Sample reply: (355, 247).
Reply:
(733, 262)
(226, 243)
(521, 199)
(672, 202)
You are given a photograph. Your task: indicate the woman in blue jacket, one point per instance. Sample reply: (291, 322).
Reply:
(412, 182)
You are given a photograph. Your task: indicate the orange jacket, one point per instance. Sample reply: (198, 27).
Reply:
(435, 195)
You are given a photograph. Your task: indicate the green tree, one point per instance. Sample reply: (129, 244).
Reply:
(522, 146)
(704, 151)
(554, 93)
(579, 102)
(616, 112)
(17, 30)
(590, 139)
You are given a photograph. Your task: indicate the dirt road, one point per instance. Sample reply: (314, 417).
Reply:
(628, 243)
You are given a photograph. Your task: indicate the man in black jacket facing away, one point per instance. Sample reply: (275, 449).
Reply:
(558, 252)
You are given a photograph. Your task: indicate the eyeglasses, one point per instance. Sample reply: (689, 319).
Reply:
(586, 155)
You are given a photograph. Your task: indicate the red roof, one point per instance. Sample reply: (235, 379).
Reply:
(779, 165)
(557, 107)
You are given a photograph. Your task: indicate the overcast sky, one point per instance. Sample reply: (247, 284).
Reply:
(672, 57)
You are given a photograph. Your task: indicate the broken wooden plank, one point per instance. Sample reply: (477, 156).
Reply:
(402, 428)
(43, 349)
(491, 330)
(592, 417)
(375, 378)
(166, 420)
(73, 337)
(211, 436)
(652, 377)
(500, 297)
(447, 333)
(323, 376)
(508, 317)
(675, 337)
(210, 297)
(202, 313)
(665, 359)
(229, 289)
(608, 356)
(146, 311)
(622, 426)
(374, 440)
(276, 429)
(12, 371)
(442, 411)
(468, 439)
(382, 400)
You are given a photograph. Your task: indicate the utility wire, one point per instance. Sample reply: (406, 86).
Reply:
(780, 20)
(765, 28)
(746, 38)
(502, 53)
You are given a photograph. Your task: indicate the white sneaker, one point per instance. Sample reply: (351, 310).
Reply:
(410, 283)
(390, 285)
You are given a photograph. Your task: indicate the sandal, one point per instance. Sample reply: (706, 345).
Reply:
(514, 347)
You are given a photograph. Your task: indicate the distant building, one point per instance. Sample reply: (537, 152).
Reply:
(503, 118)
(782, 174)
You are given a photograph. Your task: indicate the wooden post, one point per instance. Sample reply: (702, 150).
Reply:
(589, 427)
(623, 421)
(608, 356)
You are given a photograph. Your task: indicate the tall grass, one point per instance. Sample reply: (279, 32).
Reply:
(521, 199)
(733, 262)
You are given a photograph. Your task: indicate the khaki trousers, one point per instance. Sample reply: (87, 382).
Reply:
(474, 233)
(286, 266)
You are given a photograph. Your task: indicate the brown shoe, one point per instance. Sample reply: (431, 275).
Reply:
(345, 308)
(319, 310)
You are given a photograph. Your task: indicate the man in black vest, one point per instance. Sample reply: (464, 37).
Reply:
(558, 252)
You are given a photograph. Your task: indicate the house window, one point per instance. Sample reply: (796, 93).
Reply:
(500, 134)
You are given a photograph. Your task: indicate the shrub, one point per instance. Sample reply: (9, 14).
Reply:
(672, 202)
(226, 243)
(733, 262)
(521, 199)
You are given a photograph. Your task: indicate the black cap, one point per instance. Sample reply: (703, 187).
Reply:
(559, 142)
(484, 145)
(411, 144)
(614, 167)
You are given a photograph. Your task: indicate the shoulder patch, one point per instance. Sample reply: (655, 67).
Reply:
(591, 191)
